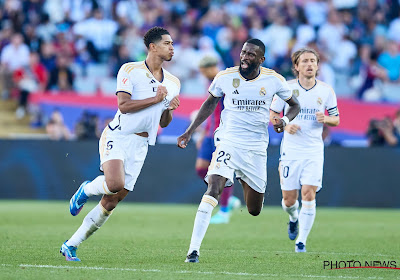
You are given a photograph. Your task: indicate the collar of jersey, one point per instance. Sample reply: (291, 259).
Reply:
(298, 81)
(148, 69)
(252, 80)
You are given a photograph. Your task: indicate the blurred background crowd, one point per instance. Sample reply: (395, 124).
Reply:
(63, 46)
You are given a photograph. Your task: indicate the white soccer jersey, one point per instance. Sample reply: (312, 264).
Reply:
(307, 142)
(136, 79)
(245, 117)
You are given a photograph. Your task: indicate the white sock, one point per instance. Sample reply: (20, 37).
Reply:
(92, 222)
(201, 222)
(292, 210)
(306, 220)
(97, 186)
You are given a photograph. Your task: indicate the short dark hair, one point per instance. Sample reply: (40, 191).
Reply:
(154, 35)
(258, 43)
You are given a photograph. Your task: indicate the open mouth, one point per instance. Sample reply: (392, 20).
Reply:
(244, 65)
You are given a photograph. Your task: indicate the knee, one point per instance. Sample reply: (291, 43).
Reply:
(115, 185)
(289, 201)
(109, 202)
(214, 190)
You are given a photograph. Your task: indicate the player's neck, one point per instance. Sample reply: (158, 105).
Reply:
(252, 75)
(306, 82)
(154, 64)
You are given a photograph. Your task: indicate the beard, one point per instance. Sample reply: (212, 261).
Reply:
(250, 68)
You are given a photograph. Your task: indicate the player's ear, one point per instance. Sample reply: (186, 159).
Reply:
(262, 59)
(152, 47)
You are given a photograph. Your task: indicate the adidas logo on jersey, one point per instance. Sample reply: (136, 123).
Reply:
(235, 91)
(152, 81)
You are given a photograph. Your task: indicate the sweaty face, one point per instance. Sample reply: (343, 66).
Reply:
(250, 58)
(307, 66)
(165, 47)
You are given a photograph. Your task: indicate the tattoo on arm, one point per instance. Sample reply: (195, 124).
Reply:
(294, 108)
(205, 111)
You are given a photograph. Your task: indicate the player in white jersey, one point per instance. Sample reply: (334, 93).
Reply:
(242, 136)
(302, 147)
(147, 95)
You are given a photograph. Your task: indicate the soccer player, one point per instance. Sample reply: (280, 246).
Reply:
(242, 136)
(302, 147)
(147, 95)
(209, 68)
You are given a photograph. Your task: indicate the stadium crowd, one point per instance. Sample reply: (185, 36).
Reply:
(79, 45)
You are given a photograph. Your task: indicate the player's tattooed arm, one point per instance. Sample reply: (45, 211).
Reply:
(166, 116)
(205, 111)
(294, 108)
(281, 123)
(127, 105)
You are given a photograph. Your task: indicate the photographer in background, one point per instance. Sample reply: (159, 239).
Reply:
(384, 132)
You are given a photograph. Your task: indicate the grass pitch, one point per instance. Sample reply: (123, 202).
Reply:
(150, 241)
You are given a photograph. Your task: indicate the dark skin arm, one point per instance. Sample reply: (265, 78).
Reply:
(127, 105)
(205, 111)
(294, 109)
(166, 116)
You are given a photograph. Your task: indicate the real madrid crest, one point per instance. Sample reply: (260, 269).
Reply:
(263, 91)
(319, 101)
(236, 83)
(296, 92)
(148, 75)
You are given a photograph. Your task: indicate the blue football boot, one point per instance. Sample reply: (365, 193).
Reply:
(69, 252)
(78, 200)
(300, 248)
(293, 229)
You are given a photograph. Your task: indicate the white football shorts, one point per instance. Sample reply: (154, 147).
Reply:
(248, 165)
(131, 149)
(296, 173)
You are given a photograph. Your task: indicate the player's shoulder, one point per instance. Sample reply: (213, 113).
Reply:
(129, 66)
(325, 86)
(228, 71)
(271, 73)
(172, 78)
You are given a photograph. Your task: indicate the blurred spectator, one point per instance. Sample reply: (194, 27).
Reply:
(121, 58)
(385, 132)
(87, 127)
(331, 33)
(374, 73)
(29, 79)
(276, 39)
(13, 56)
(56, 129)
(98, 33)
(61, 77)
(390, 60)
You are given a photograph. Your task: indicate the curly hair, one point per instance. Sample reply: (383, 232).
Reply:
(154, 35)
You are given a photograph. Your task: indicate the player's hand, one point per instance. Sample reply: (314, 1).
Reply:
(321, 118)
(174, 103)
(183, 140)
(292, 128)
(279, 125)
(161, 93)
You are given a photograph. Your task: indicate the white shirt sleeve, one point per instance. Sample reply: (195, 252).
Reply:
(124, 82)
(277, 104)
(283, 90)
(215, 88)
(331, 104)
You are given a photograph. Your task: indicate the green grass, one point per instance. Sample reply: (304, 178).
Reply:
(150, 241)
